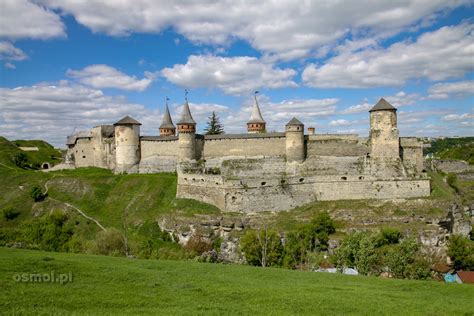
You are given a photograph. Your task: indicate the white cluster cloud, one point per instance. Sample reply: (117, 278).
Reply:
(25, 19)
(340, 122)
(103, 76)
(233, 75)
(445, 90)
(438, 55)
(285, 28)
(51, 111)
(199, 111)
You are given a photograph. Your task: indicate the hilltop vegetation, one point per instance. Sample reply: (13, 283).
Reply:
(110, 286)
(453, 148)
(11, 155)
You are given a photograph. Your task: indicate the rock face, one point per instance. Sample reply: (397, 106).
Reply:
(449, 166)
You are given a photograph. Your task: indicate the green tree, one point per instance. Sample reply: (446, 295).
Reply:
(20, 159)
(262, 247)
(214, 126)
(461, 251)
(358, 250)
(36, 194)
(406, 262)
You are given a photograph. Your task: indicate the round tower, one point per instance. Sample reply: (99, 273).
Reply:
(295, 151)
(167, 127)
(127, 145)
(256, 124)
(187, 134)
(384, 136)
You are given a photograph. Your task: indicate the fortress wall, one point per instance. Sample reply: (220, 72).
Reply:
(272, 195)
(256, 167)
(158, 156)
(84, 153)
(412, 154)
(269, 146)
(337, 147)
(331, 165)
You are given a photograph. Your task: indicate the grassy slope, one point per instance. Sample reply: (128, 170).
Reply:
(453, 148)
(108, 285)
(46, 152)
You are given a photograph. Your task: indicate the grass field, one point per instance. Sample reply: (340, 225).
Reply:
(109, 285)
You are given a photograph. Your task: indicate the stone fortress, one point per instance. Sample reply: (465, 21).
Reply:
(260, 171)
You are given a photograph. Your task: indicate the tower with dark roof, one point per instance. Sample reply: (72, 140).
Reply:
(127, 145)
(295, 149)
(384, 136)
(256, 123)
(167, 127)
(187, 134)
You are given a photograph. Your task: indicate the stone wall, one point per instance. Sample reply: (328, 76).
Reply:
(266, 145)
(283, 193)
(450, 166)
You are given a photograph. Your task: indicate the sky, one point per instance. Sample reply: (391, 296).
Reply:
(66, 66)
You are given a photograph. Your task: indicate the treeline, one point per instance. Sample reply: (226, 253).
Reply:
(453, 148)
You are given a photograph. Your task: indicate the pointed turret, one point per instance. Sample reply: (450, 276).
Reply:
(167, 127)
(187, 133)
(384, 136)
(256, 124)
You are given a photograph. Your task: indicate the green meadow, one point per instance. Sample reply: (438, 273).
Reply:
(104, 285)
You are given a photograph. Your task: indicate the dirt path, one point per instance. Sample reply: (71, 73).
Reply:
(73, 207)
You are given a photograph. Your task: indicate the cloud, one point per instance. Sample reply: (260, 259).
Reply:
(9, 52)
(103, 76)
(233, 75)
(457, 117)
(10, 66)
(340, 122)
(273, 27)
(401, 98)
(438, 55)
(51, 111)
(457, 89)
(25, 19)
(199, 111)
(358, 108)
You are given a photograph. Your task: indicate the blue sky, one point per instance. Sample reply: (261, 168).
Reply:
(71, 65)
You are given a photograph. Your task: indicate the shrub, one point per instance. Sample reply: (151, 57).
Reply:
(36, 194)
(388, 236)
(198, 245)
(321, 227)
(461, 251)
(49, 232)
(10, 214)
(21, 160)
(406, 262)
(110, 242)
(359, 250)
(262, 248)
(451, 179)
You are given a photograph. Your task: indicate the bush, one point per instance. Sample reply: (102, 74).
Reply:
(21, 160)
(388, 236)
(50, 232)
(10, 214)
(451, 179)
(36, 194)
(406, 262)
(198, 245)
(321, 227)
(461, 251)
(110, 242)
(262, 248)
(359, 250)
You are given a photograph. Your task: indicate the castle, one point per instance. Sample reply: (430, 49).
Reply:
(260, 171)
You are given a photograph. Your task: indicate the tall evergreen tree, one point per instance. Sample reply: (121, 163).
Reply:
(214, 126)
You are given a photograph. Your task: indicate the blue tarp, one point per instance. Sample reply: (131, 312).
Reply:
(450, 278)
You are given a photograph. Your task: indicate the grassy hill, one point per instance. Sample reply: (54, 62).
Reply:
(453, 148)
(34, 159)
(110, 286)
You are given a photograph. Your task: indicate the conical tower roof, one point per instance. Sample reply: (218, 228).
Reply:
(256, 116)
(186, 117)
(383, 105)
(167, 122)
(294, 122)
(127, 120)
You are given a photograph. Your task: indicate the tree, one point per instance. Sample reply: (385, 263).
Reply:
(262, 248)
(20, 160)
(461, 251)
(214, 126)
